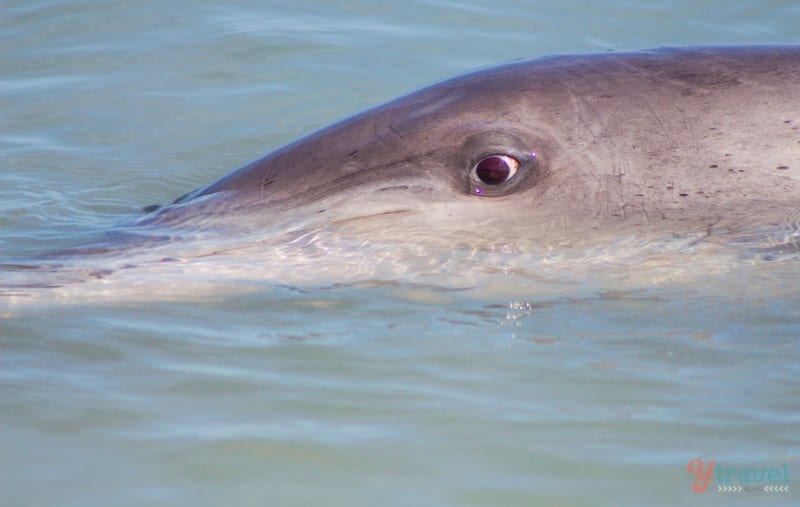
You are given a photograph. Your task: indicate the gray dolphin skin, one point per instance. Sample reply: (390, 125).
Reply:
(673, 137)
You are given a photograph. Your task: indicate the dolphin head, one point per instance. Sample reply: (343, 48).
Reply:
(485, 143)
(607, 160)
(667, 138)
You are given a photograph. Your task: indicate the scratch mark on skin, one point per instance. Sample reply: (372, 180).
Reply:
(265, 182)
(708, 232)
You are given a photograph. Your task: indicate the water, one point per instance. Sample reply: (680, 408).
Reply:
(559, 376)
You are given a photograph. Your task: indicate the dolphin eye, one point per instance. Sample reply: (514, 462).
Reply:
(495, 169)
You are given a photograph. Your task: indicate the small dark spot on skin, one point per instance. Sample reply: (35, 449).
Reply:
(168, 259)
(321, 211)
(100, 273)
(713, 166)
(670, 187)
(741, 170)
(639, 195)
(783, 167)
(727, 154)
(353, 153)
(787, 121)
(731, 170)
(683, 194)
(151, 208)
(713, 128)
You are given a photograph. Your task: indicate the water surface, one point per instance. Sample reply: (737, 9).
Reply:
(539, 376)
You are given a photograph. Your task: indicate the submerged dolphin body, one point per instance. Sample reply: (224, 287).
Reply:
(675, 139)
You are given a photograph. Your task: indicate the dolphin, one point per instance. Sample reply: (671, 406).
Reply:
(670, 139)
(573, 159)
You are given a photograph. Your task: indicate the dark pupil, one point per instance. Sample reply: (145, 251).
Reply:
(492, 170)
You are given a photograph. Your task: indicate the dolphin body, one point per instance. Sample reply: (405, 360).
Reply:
(676, 139)
(588, 167)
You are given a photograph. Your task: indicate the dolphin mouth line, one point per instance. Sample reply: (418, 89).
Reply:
(371, 215)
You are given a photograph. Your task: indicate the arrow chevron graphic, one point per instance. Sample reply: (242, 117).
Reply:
(729, 489)
(737, 488)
